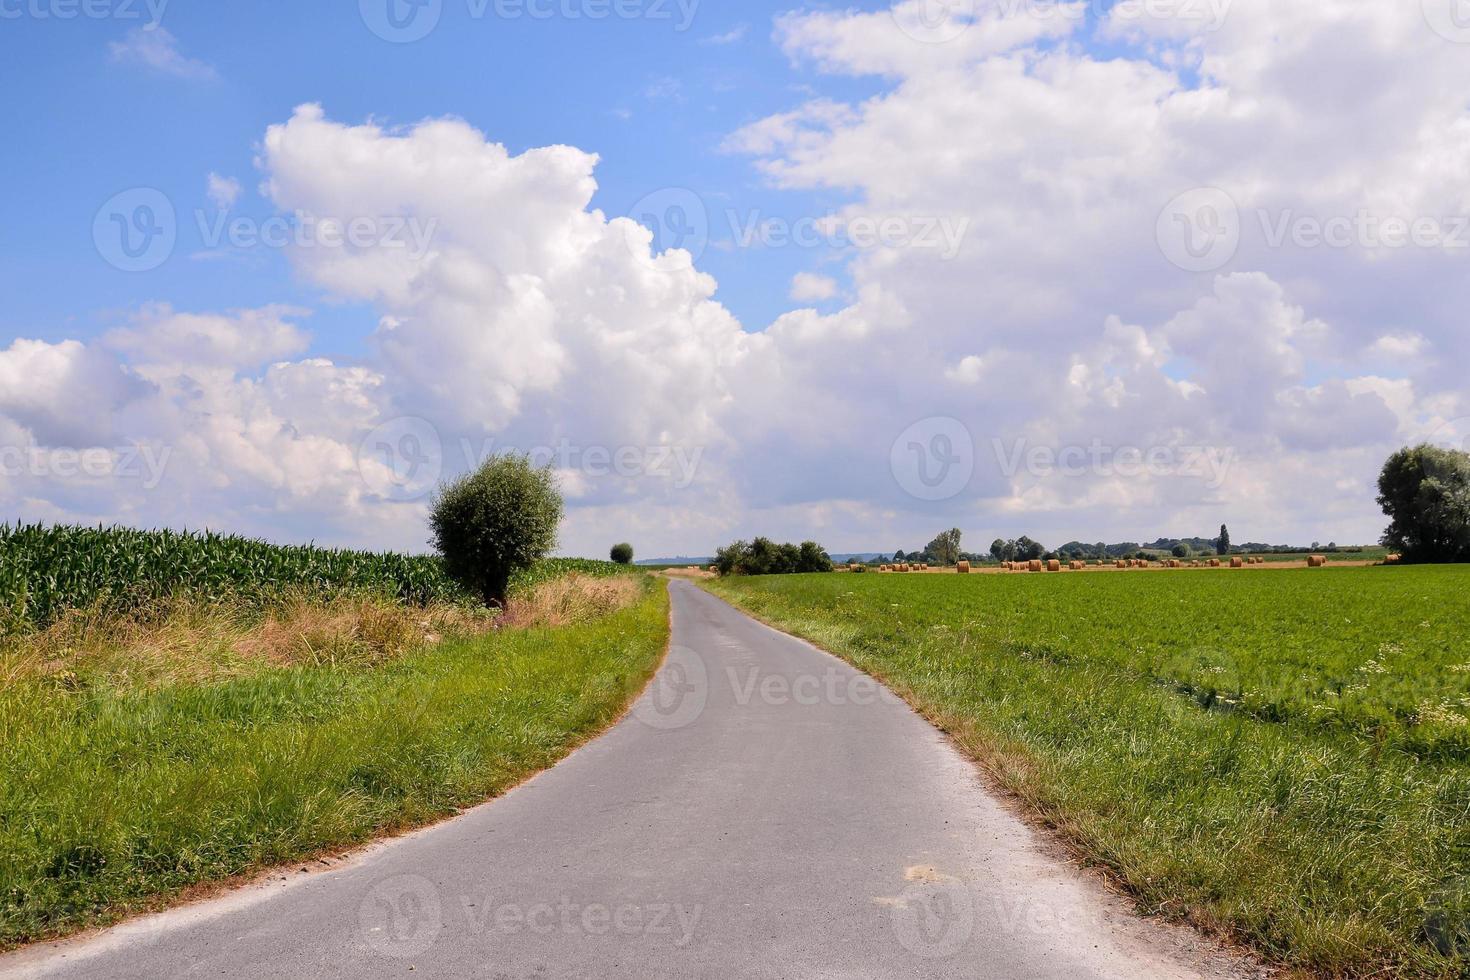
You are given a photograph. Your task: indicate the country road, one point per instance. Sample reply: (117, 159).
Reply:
(764, 811)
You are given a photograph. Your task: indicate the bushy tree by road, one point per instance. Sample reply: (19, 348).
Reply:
(622, 554)
(496, 521)
(1425, 491)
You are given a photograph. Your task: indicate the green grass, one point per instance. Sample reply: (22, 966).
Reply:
(114, 799)
(1280, 756)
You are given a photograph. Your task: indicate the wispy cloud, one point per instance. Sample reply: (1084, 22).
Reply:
(156, 49)
(732, 36)
(223, 191)
(665, 87)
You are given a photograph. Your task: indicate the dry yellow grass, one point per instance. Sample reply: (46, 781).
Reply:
(572, 599)
(193, 643)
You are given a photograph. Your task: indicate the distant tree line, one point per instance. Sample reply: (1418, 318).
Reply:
(765, 557)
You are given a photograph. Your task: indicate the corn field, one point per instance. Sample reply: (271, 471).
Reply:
(46, 570)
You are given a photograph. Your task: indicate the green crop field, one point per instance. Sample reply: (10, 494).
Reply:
(1277, 756)
(45, 570)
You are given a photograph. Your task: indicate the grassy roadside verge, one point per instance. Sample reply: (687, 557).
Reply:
(1313, 801)
(115, 798)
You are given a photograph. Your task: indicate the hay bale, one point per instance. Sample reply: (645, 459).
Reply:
(963, 568)
(1120, 563)
(1214, 563)
(1034, 565)
(1237, 563)
(1393, 559)
(1316, 561)
(1053, 566)
(1079, 566)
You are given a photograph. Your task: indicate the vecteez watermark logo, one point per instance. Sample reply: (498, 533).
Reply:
(934, 916)
(678, 694)
(401, 21)
(145, 465)
(410, 234)
(943, 234)
(933, 459)
(1447, 918)
(150, 12)
(1201, 230)
(136, 230)
(1450, 19)
(1453, 434)
(673, 922)
(943, 21)
(832, 687)
(402, 459)
(1211, 464)
(401, 917)
(407, 21)
(679, 218)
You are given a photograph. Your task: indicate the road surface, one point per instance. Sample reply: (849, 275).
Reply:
(764, 811)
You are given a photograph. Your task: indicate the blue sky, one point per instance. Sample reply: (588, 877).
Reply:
(655, 102)
(1108, 186)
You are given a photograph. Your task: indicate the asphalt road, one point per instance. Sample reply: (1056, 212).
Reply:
(765, 811)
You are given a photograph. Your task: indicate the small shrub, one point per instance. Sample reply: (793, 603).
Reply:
(495, 522)
(622, 554)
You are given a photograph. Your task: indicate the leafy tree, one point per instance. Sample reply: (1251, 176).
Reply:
(1181, 550)
(1425, 491)
(1002, 550)
(945, 549)
(494, 522)
(1028, 550)
(812, 557)
(898, 555)
(622, 554)
(1222, 543)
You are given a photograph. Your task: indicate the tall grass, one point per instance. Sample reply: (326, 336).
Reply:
(118, 794)
(1279, 757)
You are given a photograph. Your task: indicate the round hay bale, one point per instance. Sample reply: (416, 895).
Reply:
(1237, 563)
(1034, 565)
(1316, 561)
(1393, 559)
(1053, 566)
(963, 568)
(1121, 563)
